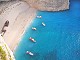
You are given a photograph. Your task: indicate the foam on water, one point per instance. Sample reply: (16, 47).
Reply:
(58, 40)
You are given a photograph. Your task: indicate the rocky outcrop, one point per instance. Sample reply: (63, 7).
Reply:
(8, 54)
(49, 5)
(4, 0)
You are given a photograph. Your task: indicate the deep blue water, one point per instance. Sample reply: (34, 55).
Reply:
(59, 40)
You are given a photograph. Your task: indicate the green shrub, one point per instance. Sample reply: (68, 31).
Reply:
(2, 54)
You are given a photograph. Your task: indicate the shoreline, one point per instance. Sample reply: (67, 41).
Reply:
(23, 32)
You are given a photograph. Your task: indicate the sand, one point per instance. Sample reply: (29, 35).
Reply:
(20, 16)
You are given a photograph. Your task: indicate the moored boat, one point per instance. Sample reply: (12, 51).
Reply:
(33, 28)
(39, 16)
(33, 40)
(43, 24)
(30, 53)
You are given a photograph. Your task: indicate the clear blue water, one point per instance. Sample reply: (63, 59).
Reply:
(59, 40)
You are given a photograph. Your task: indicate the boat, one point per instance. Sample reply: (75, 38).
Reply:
(33, 40)
(33, 28)
(39, 16)
(30, 53)
(43, 24)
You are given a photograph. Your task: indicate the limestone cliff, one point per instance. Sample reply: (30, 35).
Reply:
(5, 52)
(49, 5)
(4, 0)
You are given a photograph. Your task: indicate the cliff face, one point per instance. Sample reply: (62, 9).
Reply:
(7, 54)
(49, 5)
(5, 0)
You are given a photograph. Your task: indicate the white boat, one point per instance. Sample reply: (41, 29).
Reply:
(43, 24)
(39, 16)
(33, 28)
(30, 53)
(33, 40)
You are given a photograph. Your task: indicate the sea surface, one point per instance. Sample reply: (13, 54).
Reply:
(58, 40)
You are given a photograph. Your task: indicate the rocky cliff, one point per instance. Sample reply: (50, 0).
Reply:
(4, 0)
(49, 5)
(5, 52)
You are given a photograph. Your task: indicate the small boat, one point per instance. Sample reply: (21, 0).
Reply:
(32, 39)
(39, 16)
(30, 53)
(43, 24)
(33, 28)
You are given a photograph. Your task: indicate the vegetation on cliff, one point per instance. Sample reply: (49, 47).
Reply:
(2, 54)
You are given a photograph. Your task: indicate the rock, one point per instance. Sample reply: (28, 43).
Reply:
(5, 0)
(49, 5)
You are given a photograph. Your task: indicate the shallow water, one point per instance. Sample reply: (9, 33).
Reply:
(59, 40)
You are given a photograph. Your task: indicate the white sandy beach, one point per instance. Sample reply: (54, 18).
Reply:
(19, 15)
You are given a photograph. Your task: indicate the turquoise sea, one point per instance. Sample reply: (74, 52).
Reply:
(58, 40)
